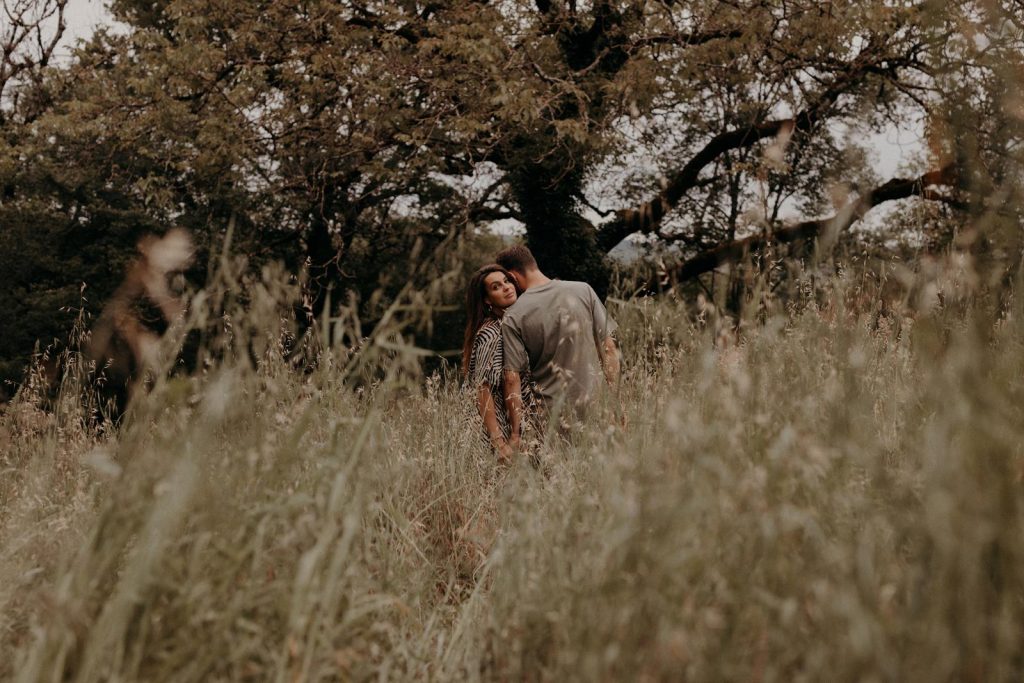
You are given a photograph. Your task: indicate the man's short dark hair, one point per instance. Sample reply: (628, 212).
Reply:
(517, 258)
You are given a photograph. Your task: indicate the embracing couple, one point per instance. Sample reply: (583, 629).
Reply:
(535, 349)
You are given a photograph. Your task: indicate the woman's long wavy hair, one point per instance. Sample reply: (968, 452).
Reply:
(477, 311)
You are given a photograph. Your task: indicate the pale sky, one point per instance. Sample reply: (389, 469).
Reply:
(83, 17)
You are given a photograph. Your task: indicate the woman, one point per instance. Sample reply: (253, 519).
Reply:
(491, 290)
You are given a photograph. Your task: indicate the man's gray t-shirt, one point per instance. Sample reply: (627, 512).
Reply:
(554, 331)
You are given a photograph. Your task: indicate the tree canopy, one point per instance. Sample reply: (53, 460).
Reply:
(341, 133)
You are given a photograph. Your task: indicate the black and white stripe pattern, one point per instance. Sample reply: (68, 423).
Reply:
(486, 367)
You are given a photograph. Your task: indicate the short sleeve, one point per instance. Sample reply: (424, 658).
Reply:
(486, 360)
(514, 348)
(604, 326)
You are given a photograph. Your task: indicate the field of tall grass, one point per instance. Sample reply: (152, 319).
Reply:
(833, 493)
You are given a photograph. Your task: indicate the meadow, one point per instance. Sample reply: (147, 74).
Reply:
(833, 493)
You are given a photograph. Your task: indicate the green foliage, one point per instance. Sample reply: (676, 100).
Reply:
(297, 126)
(340, 134)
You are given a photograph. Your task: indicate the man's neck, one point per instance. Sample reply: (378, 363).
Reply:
(534, 278)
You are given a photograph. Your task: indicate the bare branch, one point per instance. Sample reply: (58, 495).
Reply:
(489, 213)
(688, 39)
(897, 188)
(648, 216)
(31, 32)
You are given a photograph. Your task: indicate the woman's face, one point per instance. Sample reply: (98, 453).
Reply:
(499, 290)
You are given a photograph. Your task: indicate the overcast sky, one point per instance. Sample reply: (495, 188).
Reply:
(83, 17)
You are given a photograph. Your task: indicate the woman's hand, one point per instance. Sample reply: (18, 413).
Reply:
(505, 451)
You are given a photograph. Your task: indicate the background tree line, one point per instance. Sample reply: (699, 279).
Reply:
(350, 139)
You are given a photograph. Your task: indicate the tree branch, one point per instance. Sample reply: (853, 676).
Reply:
(648, 216)
(687, 39)
(25, 47)
(374, 22)
(897, 188)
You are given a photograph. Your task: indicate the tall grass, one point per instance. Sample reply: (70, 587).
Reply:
(836, 495)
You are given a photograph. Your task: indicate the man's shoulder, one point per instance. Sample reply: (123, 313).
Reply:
(576, 285)
(537, 300)
(510, 318)
(525, 308)
(512, 310)
(582, 290)
(528, 300)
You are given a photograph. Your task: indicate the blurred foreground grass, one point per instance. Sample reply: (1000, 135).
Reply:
(838, 496)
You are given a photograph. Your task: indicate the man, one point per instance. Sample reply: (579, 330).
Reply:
(560, 332)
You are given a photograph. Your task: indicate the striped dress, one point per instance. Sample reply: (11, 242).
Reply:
(486, 367)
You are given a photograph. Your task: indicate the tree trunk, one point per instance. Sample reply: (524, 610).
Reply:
(322, 263)
(564, 242)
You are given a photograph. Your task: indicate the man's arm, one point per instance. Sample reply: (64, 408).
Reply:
(513, 404)
(609, 354)
(604, 327)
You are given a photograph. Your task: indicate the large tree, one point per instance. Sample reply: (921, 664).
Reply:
(695, 97)
(341, 133)
(697, 123)
(284, 116)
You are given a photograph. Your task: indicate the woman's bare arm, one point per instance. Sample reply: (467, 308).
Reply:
(485, 405)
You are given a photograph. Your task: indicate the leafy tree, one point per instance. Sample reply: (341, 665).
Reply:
(342, 133)
(711, 84)
(211, 110)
